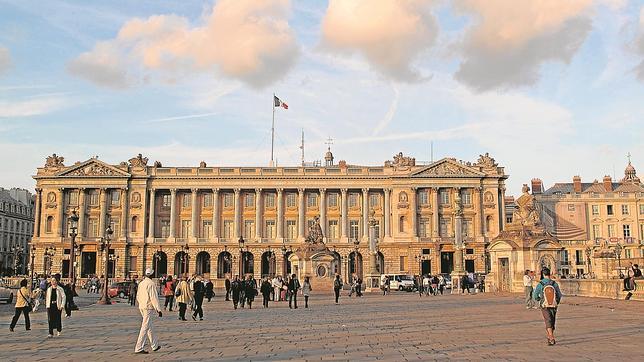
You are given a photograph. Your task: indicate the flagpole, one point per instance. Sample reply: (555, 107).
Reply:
(273, 131)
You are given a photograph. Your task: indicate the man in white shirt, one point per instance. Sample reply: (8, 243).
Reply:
(528, 279)
(426, 284)
(277, 289)
(148, 300)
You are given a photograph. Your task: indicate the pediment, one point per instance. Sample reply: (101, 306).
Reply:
(93, 168)
(448, 167)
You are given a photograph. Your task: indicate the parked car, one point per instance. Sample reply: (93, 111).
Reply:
(120, 289)
(6, 293)
(401, 282)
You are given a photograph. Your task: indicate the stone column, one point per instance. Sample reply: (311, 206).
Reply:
(61, 212)
(151, 215)
(280, 214)
(37, 213)
(194, 219)
(237, 223)
(258, 215)
(365, 214)
(300, 215)
(124, 215)
(387, 209)
(481, 213)
(323, 212)
(413, 198)
(215, 213)
(344, 214)
(102, 226)
(82, 210)
(502, 211)
(435, 216)
(173, 213)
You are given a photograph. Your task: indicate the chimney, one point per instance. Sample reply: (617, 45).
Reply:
(576, 182)
(537, 186)
(608, 183)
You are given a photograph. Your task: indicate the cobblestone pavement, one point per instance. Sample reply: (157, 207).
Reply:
(398, 327)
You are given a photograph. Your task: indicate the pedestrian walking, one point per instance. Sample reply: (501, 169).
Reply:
(359, 287)
(277, 287)
(250, 291)
(242, 291)
(528, 280)
(183, 295)
(235, 290)
(227, 285)
(24, 305)
(210, 290)
(131, 296)
(148, 299)
(385, 285)
(168, 293)
(55, 300)
(548, 294)
(266, 289)
(426, 286)
(337, 286)
(442, 283)
(293, 287)
(199, 290)
(434, 284)
(354, 281)
(306, 291)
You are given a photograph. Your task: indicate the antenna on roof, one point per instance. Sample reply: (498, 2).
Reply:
(302, 146)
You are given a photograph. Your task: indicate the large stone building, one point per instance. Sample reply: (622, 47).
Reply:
(160, 215)
(16, 229)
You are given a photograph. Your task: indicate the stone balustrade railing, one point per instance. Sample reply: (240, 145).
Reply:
(601, 288)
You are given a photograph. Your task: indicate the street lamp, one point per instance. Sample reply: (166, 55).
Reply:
(49, 254)
(184, 258)
(157, 258)
(105, 248)
(16, 250)
(618, 254)
(73, 232)
(241, 256)
(33, 267)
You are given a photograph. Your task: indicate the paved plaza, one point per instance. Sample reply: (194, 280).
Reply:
(398, 327)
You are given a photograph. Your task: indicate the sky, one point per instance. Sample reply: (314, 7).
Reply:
(549, 88)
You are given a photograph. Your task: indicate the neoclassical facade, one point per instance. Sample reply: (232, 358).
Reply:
(16, 229)
(190, 219)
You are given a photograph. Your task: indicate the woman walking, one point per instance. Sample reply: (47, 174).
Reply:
(184, 297)
(168, 292)
(55, 302)
(23, 305)
(251, 291)
(306, 291)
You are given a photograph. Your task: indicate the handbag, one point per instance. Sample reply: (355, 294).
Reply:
(177, 293)
(30, 304)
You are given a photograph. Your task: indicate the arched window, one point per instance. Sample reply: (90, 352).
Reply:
(135, 221)
(49, 224)
(401, 224)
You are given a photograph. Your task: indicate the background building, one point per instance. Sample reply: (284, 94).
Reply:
(190, 218)
(16, 229)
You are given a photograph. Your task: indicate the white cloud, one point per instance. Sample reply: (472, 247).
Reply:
(246, 40)
(5, 59)
(509, 40)
(32, 107)
(389, 34)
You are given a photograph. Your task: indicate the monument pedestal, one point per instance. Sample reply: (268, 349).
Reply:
(372, 283)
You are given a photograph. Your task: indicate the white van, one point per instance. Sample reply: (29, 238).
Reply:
(401, 282)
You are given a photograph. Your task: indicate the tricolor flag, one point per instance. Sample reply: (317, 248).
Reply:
(278, 103)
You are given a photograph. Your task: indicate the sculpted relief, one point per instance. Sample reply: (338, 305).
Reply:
(401, 163)
(93, 169)
(138, 161)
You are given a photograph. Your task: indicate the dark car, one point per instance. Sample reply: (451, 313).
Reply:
(120, 289)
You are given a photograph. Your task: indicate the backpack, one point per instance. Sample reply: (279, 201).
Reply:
(337, 283)
(548, 295)
(637, 273)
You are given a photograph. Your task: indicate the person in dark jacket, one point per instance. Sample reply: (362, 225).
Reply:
(199, 290)
(131, 296)
(210, 293)
(293, 287)
(227, 283)
(251, 291)
(266, 290)
(235, 289)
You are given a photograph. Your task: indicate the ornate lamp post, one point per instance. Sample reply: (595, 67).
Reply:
(184, 258)
(284, 261)
(73, 232)
(241, 256)
(618, 255)
(49, 254)
(16, 250)
(32, 253)
(105, 248)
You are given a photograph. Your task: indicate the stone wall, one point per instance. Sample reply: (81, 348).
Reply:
(601, 288)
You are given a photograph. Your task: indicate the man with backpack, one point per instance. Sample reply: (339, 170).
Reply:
(548, 295)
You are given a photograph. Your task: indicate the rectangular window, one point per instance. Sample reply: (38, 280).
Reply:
(269, 201)
(611, 231)
(595, 209)
(444, 197)
(165, 228)
(564, 257)
(333, 200)
(249, 229)
(467, 228)
(115, 197)
(249, 200)
(185, 229)
(642, 234)
(423, 197)
(270, 230)
(444, 227)
(291, 229)
(403, 263)
(353, 200)
(93, 228)
(72, 198)
(206, 229)
(228, 229)
(186, 200)
(133, 264)
(166, 200)
(376, 229)
(597, 231)
(116, 230)
(309, 224)
(207, 200)
(228, 200)
(291, 200)
(466, 197)
(311, 200)
(625, 210)
(332, 233)
(628, 253)
(627, 231)
(93, 198)
(579, 256)
(354, 229)
(374, 200)
(609, 209)
(423, 228)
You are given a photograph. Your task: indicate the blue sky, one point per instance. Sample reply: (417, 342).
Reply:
(550, 91)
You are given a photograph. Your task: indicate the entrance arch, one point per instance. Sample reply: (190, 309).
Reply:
(181, 263)
(248, 263)
(203, 263)
(380, 263)
(160, 263)
(224, 264)
(268, 264)
(355, 264)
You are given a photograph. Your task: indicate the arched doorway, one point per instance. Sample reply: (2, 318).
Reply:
(160, 263)
(355, 264)
(286, 267)
(203, 263)
(248, 263)
(268, 264)
(336, 266)
(380, 263)
(181, 263)
(224, 264)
